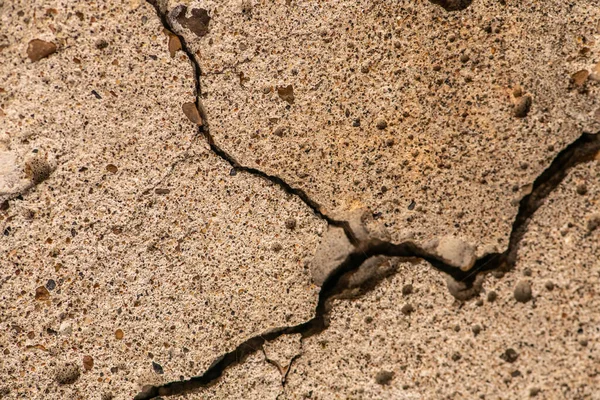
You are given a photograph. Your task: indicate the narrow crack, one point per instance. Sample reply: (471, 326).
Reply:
(224, 155)
(582, 150)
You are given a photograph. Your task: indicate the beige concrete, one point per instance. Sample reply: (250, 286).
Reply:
(132, 254)
(451, 350)
(435, 93)
(139, 246)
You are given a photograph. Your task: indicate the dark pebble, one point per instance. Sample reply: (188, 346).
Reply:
(407, 289)
(476, 329)
(157, 368)
(50, 285)
(290, 223)
(549, 285)
(384, 377)
(407, 309)
(522, 292)
(492, 296)
(522, 107)
(510, 355)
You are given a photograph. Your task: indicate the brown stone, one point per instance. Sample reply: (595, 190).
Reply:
(38, 49)
(191, 111)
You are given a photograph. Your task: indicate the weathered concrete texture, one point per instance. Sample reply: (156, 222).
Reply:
(434, 120)
(255, 379)
(138, 256)
(495, 347)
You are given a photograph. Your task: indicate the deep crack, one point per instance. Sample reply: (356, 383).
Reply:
(582, 150)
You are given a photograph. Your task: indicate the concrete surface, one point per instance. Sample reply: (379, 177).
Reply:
(140, 246)
(175, 187)
(400, 106)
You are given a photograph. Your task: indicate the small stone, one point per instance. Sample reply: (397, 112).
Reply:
(522, 107)
(492, 296)
(356, 123)
(107, 396)
(579, 77)
(112, 168)
(276, 247)
(510, 355)
(389, 142)
(549, 285)
(582, 189)
(384, 377)
(593, 222)
(407, 289)
(464, 58)
(50, 285)
(38, 49)
(407, 309)
(119, 334)
(456, 356)
(517, 91)
(527, 272)
(479, 303)
(191, 111)
(279, 131)
(583, 342)
(197, 22)
(65, 328)
(522, 292)
(157, 368)
(174, 43)
(88, 363)
(67, 373)
(534, 391)
(381, 123)
(290, 223)
(286, 93)
(101, 44)
(476, 329)
(42, 294)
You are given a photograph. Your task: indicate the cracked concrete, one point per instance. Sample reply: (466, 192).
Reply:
(416, 124)
(174, 189)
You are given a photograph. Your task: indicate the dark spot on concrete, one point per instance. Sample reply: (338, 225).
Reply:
(286, 93)
(197, 22)
(453, 5)
(157, 368)
(510, 355)
(522, 107)
(384, 377)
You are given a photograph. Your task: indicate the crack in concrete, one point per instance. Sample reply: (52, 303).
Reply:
(220, 152)
(586, 148)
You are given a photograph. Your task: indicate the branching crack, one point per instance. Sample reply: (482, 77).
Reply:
(584, 149)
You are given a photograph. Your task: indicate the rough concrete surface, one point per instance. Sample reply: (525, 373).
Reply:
(299, 199)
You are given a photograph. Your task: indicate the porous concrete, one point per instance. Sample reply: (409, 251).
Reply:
(179, 178)
(141, 257)
(400, 107)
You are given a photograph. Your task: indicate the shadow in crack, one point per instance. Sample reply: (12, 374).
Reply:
(453, 5)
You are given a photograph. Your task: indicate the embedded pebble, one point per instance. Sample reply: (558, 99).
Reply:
(523, 292)
(38, 49)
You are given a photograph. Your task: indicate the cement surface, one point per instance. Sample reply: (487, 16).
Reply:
(197, 198)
